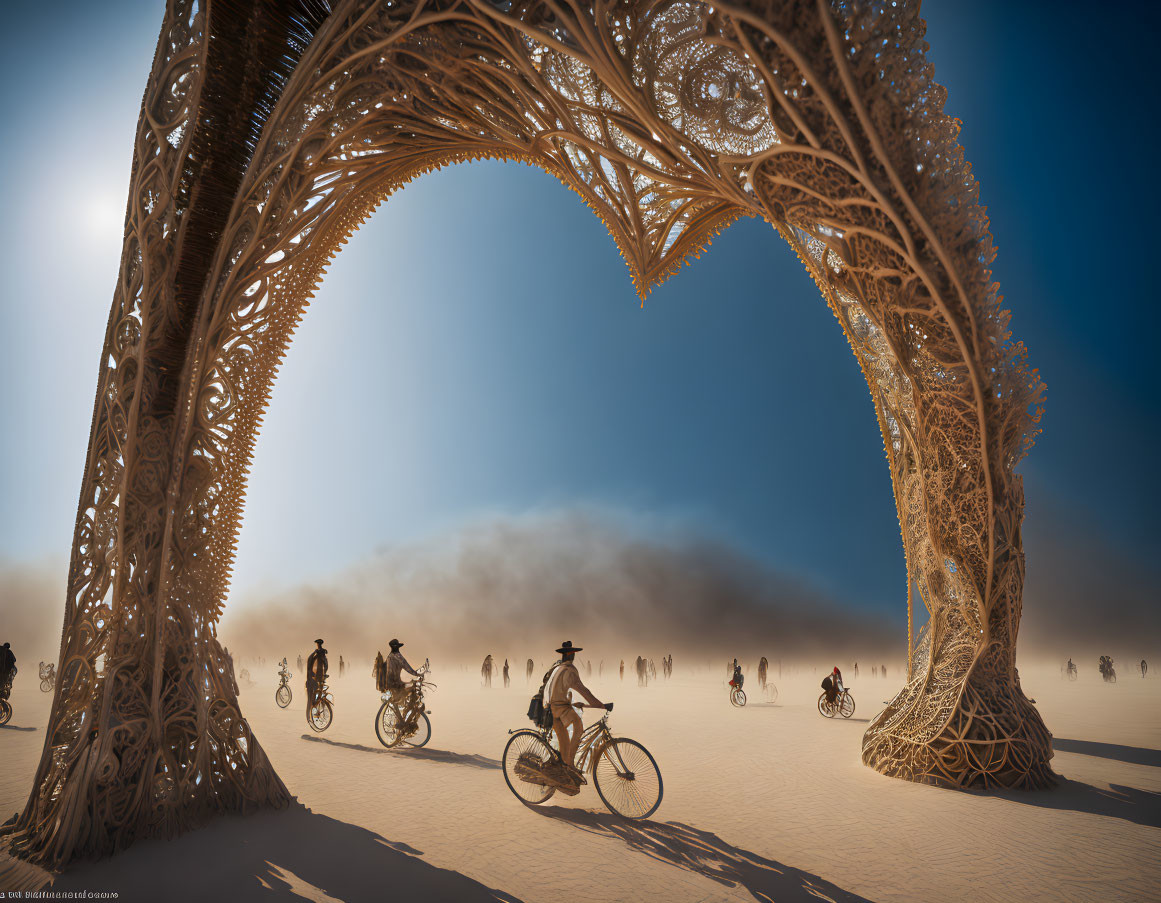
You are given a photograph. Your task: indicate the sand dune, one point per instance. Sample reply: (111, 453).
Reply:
(769, 802)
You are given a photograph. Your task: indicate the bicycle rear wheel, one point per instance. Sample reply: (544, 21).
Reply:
(46, 686)
(422, 733)
(627, 779)
(771, 693)
(387, 726)
(824, 707)
(283, 696)
(847, 705)
(5, 711)
(738, 696)
(527, 744)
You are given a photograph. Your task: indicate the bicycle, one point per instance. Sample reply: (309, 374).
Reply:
(5, 711)
(321, 711)
(283, 694)
(737, 696)
(47, 677)
(625, 774)
(844, 705)
(409, 725)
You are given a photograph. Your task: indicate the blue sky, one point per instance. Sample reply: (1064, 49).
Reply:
(477, 350)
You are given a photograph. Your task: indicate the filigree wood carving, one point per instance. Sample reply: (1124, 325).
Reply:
(260, 152)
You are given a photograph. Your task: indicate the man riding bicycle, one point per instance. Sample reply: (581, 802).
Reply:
(567, 724)
(316, 672)
(833, 684)
(395, 664)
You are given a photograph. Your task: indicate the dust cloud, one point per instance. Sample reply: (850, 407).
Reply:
(516, 587)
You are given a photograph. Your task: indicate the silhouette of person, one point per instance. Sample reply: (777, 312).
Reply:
(506, 673)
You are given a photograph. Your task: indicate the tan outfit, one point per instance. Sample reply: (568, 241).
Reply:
(565, 720)
(396, 665)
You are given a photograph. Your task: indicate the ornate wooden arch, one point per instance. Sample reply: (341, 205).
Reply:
(259, 152)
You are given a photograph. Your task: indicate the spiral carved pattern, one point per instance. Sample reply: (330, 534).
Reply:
(670, 119)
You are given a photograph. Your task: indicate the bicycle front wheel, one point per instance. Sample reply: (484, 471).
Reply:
(847, 705)
(771, 693)
(46, 686)
(320, 716)
(530, 746)
(5, 711)
(422, 733)
(283, 696)
(627, 779)
(738, 696)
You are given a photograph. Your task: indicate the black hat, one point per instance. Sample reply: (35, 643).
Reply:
(567, 647)
(395, 644)
(319, 642)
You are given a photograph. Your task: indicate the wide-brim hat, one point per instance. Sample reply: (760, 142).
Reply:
(318, 641)
(567, 646)
(395, 644)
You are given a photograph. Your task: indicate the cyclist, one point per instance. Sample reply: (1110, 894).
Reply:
(393, 667)
(738, 679)
(833, 684)
(7, 670)
(316, 672)
(563, 679)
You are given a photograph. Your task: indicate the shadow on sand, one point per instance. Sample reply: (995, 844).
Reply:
(427, 755)
(1134, 755)
(708, 855)
(1142, 807)
(15, 727)
(288, 855)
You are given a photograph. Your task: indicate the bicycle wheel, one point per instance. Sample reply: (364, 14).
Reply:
(422, 733)
(847, 705)
(283, 696)
(320, 715)
(824, 707)
(46, 686)
(771, 694)
(738, 696)
(527, 743)
(628, 779)
(387, 727)
(5, 711)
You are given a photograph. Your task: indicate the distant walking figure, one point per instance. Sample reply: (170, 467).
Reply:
(506, 681)
(528, 676)
(856, 669)
(588, 667)
(300, 663)
(884, 669)
(642, 677)
(762, 666)
(486, 671)
(1144, 667)
(342, 666)
(622, 669)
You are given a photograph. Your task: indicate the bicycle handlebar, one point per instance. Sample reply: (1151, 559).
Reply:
(608, 706)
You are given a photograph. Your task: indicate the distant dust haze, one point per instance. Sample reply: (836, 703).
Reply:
(517, 587)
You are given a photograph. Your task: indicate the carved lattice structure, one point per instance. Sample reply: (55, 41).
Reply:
(259, 152)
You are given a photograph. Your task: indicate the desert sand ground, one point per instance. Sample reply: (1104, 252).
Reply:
(769, 802)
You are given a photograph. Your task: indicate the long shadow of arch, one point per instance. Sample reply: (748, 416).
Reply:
(427, 755)
(708, 855)
(283, 855)
(1141, 807)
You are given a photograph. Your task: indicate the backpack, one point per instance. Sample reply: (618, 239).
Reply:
(539, 713)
